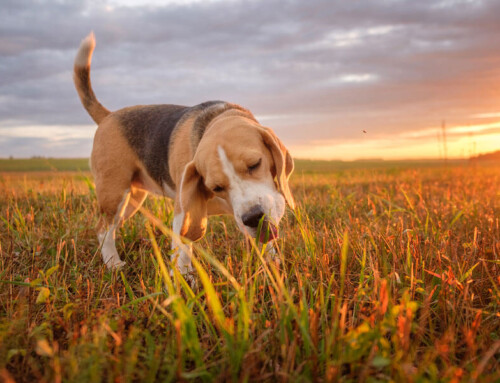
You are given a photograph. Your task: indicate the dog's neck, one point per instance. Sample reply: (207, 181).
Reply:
(207, 119)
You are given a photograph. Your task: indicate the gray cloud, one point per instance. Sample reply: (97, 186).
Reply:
(313, 70)
(23, 147)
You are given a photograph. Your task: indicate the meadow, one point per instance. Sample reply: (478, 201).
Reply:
(385, 272)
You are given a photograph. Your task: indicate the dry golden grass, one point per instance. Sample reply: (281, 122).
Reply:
(385, 274)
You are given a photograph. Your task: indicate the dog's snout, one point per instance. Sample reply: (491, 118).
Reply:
(252, 217)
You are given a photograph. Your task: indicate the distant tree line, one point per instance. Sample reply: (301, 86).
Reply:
(493, 156)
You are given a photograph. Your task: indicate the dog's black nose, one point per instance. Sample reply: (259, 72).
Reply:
(252, 217)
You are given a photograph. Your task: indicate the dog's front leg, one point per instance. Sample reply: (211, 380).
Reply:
(180, 258)
(272, 253)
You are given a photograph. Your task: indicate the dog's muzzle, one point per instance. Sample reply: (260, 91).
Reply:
(252, 218)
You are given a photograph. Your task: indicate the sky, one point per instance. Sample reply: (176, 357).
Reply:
(358, 79)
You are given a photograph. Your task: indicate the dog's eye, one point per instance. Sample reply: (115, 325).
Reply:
(218, 189)
(255, 166)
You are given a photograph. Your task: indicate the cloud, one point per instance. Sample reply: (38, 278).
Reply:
(487, 115)
(313, 70)
(22, 147)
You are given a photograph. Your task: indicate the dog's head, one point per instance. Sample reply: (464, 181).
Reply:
(247, 167)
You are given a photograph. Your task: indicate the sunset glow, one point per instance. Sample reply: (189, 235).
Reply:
(461, 142)
(392, 148)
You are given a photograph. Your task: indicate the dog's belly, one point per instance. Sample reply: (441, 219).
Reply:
(143, 181)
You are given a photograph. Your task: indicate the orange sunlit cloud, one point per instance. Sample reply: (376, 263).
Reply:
(461, 142)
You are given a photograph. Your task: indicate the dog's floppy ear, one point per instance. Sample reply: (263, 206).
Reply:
(193, 200)
(283, 163)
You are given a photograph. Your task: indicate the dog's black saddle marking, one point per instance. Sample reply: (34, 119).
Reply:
(148, 130)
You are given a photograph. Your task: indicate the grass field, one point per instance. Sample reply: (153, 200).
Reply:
(387, 274)
(44, 164)
(302, 166)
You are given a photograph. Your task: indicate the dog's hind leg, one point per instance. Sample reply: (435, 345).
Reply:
(106, 232)
(114, 166)
(116, 207)
(137, 198)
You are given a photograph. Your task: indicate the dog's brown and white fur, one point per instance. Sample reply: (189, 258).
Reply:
(213, 158)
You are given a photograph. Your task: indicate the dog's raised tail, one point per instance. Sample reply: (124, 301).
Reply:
(81, 77)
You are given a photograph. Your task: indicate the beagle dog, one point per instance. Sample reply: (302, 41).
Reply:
(212, 158)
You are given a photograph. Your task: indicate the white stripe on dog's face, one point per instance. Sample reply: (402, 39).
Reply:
(245, 195)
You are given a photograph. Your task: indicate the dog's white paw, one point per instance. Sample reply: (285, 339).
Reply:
(191, 280)
(115, 264)
(188, 276)
(272, 254)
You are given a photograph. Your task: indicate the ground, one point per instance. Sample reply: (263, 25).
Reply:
(385, 272)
